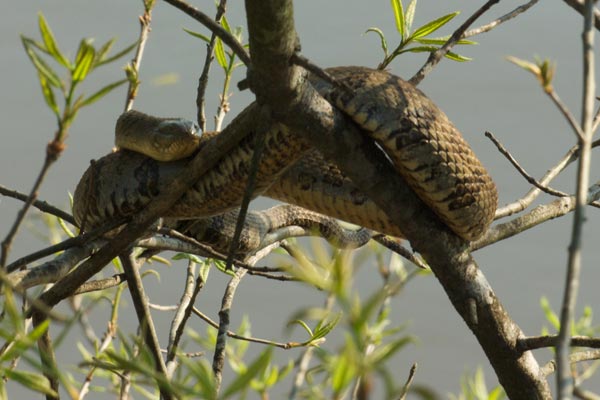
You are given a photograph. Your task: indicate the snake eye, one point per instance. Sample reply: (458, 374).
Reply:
(195, 128)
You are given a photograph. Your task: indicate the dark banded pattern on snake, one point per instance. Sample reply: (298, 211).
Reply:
(423, 144)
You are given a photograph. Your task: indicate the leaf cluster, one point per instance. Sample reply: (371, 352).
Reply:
(87, 59)
(417, 41)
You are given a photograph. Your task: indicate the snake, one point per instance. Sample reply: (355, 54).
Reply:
(426, 149)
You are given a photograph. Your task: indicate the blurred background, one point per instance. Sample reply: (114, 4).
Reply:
(487, 93)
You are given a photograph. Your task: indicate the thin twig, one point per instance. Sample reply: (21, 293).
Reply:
(219, 356)
(79, 240)
(304, 362)
(217, 29)
(564, 378)
(40, 205)
(47, 356)
(521, 170)
(145, 20)
(81, 314)
(53, 270)
(140, 302)
(584, 394)
(565, 112)
(536, 216)
(579, 6)
(109, 335)
(234, 335)
(436, 56)
(53, 152)
(182, 315)
(411, 376)
(570, 156)
(259, 146)
(101, 284)
(203, 80)
(538, 342)
(393, 245)
(489, 26)
(573, 358)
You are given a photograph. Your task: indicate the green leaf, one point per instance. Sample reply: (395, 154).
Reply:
(104, 49)
(238, 33)
(48, 94)
(399, 17)
(23, 343)
(203, 372)
(225, 24)
(243, 380)
(102, 92)
(30, 380)
(304, 325)
(50, 42)
(409, 16)
(419, 49)
(442, 41)
(456, 57)
(39, 64)
(550, 315)
(83, 61)
(322, 330)
(198, 35)
(63, 224)
(100, 61)
(342, 375)
(382, 353)
(496, 394)
(381, 38)
(433, 26)
(220, 54)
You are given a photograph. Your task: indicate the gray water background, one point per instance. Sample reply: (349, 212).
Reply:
(487, 93)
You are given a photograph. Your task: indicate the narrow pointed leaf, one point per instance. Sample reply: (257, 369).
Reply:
(220, 54)
(399, 17)
(39, 64)
(103, 51)
(304, 325)
(49, 94)
(457, 57)
(323, 330)
(225, 24)
(442, 41)
(382, 353)
(419, 49)
(102, 92)
(409, 16)
(381, 38)
(50, 42)
(433, 26)
(22, 344)
(83, 61)
(198, 35)
(117, 55)
(253, 370)
(30, 380)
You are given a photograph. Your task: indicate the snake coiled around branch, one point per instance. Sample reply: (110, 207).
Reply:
(424, 146)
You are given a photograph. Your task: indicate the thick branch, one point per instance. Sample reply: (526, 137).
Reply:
(272, 42)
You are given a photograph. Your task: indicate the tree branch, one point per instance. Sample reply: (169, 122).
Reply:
(579, 6)
(436, 56)
(564, 379)
(272, 43)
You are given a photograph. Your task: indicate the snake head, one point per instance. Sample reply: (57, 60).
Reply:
(163, 139)
(174, 139)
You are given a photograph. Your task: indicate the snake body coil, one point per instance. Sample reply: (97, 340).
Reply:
(425, 147)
